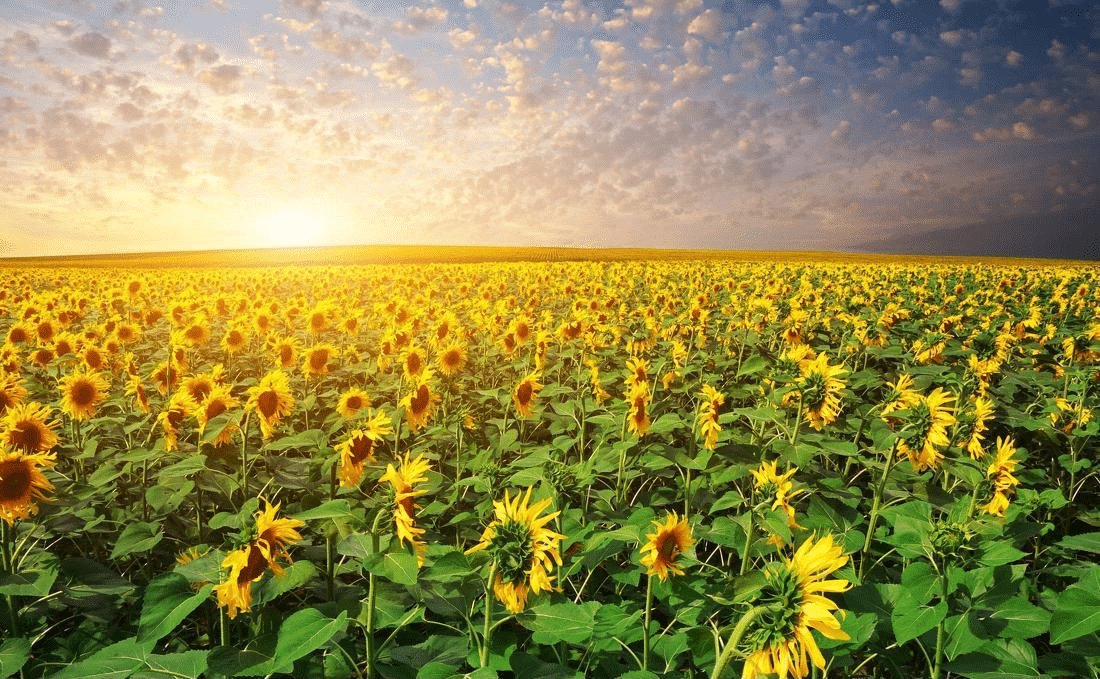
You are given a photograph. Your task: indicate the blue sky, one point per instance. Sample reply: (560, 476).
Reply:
(817, 124)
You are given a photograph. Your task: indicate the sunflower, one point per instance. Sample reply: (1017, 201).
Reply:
(27, 428)
(413, 361)
(22, 483)
(351, 402)
(200, 386)
(776, 488)
(19, 333)
(664, 546)
(234, 340)
(521, 329)
(975, 421)
(179, 406)
(317, 359)
(42, 357)
(165, 377)
(285, 352)
(137, 390)
(927, 429)
(526, 392)
(637, 416)
(901, 395)
(1000, 472)
(404, 481)
(523, 550)
(64, 344)
(571, 330)
(781, 641)
(271, 401)
(93, 357)
(638, 373)
(358, 448)
(819, 391)
(217, 402)
(248, 564)
(451, 359)
(420, 402)
(711, 400)
(195, 334)
(81, 393)
(12, 392)
(597, 385)
(126, 333)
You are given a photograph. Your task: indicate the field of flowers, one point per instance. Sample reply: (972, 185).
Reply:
(557, 469)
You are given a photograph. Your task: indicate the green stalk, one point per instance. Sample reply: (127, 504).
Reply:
(487, 630)
(6, 536)
(372, 594)
(330, 542)
(873, 519)
(223, 626)
(748, 547)
(645, 629)
(940, 629)
(244, 459)
(735, 639)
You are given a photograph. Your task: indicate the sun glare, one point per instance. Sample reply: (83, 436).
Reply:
(290, 228)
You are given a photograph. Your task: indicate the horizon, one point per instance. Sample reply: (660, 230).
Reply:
(782, 125)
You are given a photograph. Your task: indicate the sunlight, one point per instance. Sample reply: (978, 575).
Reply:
(295, 226)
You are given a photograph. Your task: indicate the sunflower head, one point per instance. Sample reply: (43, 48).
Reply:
(28, 428)
(526, 392)
(662, 548)
(351, 402)
(317, 359)
(22, 483)
(271, 400)
(403, 482)
(81, 394)
(451, 359)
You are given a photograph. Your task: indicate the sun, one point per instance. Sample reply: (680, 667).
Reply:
(291, 227)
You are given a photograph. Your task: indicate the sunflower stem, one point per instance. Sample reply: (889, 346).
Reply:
(748, 547)
(487, 630)
(940, 629)
(372, 594)
(873, 518)
(330, 543)
(144, 488)
(244, 459)
(7, 533)
(645, 629)
(223, 627)
(735, 638)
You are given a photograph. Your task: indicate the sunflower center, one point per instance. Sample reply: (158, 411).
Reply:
(215, 408)
(355, 402)
(523, 394)
(82, 393)
(451, 358)
(27, 437)
(361, 449)
(412, 363)
(318, 359)
(235, 338)
(195, 333)
(15, 480)
(513, 550)
(254, 568)
(419, 402)
(286, 354)
(268, 403)
(200, 390)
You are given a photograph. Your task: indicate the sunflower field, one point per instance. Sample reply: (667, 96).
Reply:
(628, 469)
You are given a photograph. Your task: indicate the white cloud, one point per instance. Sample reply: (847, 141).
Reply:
(1080, 121)
(224, 79)
(709, 24)
(841, 131)
(951, 5)
(1013, 58)
(92, 45)
(953, 38)
(1056, 51)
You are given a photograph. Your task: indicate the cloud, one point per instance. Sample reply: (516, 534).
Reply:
(953, 38)
(709, 24)
(224, 79)
(94, 45)
(952, 6)
(841, 131)
(419, 19)
(1013, 58)
(188, 56)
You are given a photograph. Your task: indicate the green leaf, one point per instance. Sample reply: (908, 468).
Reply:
(116, 661)
(752, 365)
(1078, 610)
(168, 600)
(998, 659)
(13, 655)
(1086, 542)
(333, 509)
(1023, 619)
(998, 552)
(272, 586)
(304, 632)
(909, 622)
(530, 667)
(94, 576)
(190, 664)
(400, 567)
(137, 538)
(568, 622)
(960, 635)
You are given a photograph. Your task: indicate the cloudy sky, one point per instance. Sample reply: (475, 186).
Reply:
(187, 124)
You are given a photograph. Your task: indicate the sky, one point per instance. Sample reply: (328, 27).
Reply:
(151, 125)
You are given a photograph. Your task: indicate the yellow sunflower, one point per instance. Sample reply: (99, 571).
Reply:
(819, 390)
(179, 406)
(248, 564)
(271, 400)
(404, 481)
(351, 402)
(663, 546)
(137, 390)
(12, 392)
(711, 401)
(81, 394)
(217, 402)
(1001, 473)
(637, 416)
(771, 486)
(234, 340)
(27, 428)
(22, 483)
(637, 373)
(317, 359)
(901, 395)
(781, 641)
(524, 551)
(451, 359)
(420, 403)
(413, 362)
(976, 419)
(526, 392)
(927, 429)
(358, 448)
(285, 352)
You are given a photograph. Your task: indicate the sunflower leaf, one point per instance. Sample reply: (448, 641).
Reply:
(13, 655)
(169, 599)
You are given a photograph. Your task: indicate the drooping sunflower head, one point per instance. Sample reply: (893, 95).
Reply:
(274, 536)
(781, 640)
(359, 447)
(637, 372)
(12, 392)
(637, 416)
(141, 398)
(819, 389)
(420, 402)
(523, 550)
(180, 406)
(28, 429)
(925, 432)
(413, 361)
(22, 483)
(285, 352)
(665, 544)
(403, 481)
(526, 392)
(81, 394)
(217, 403)
(271, 400)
